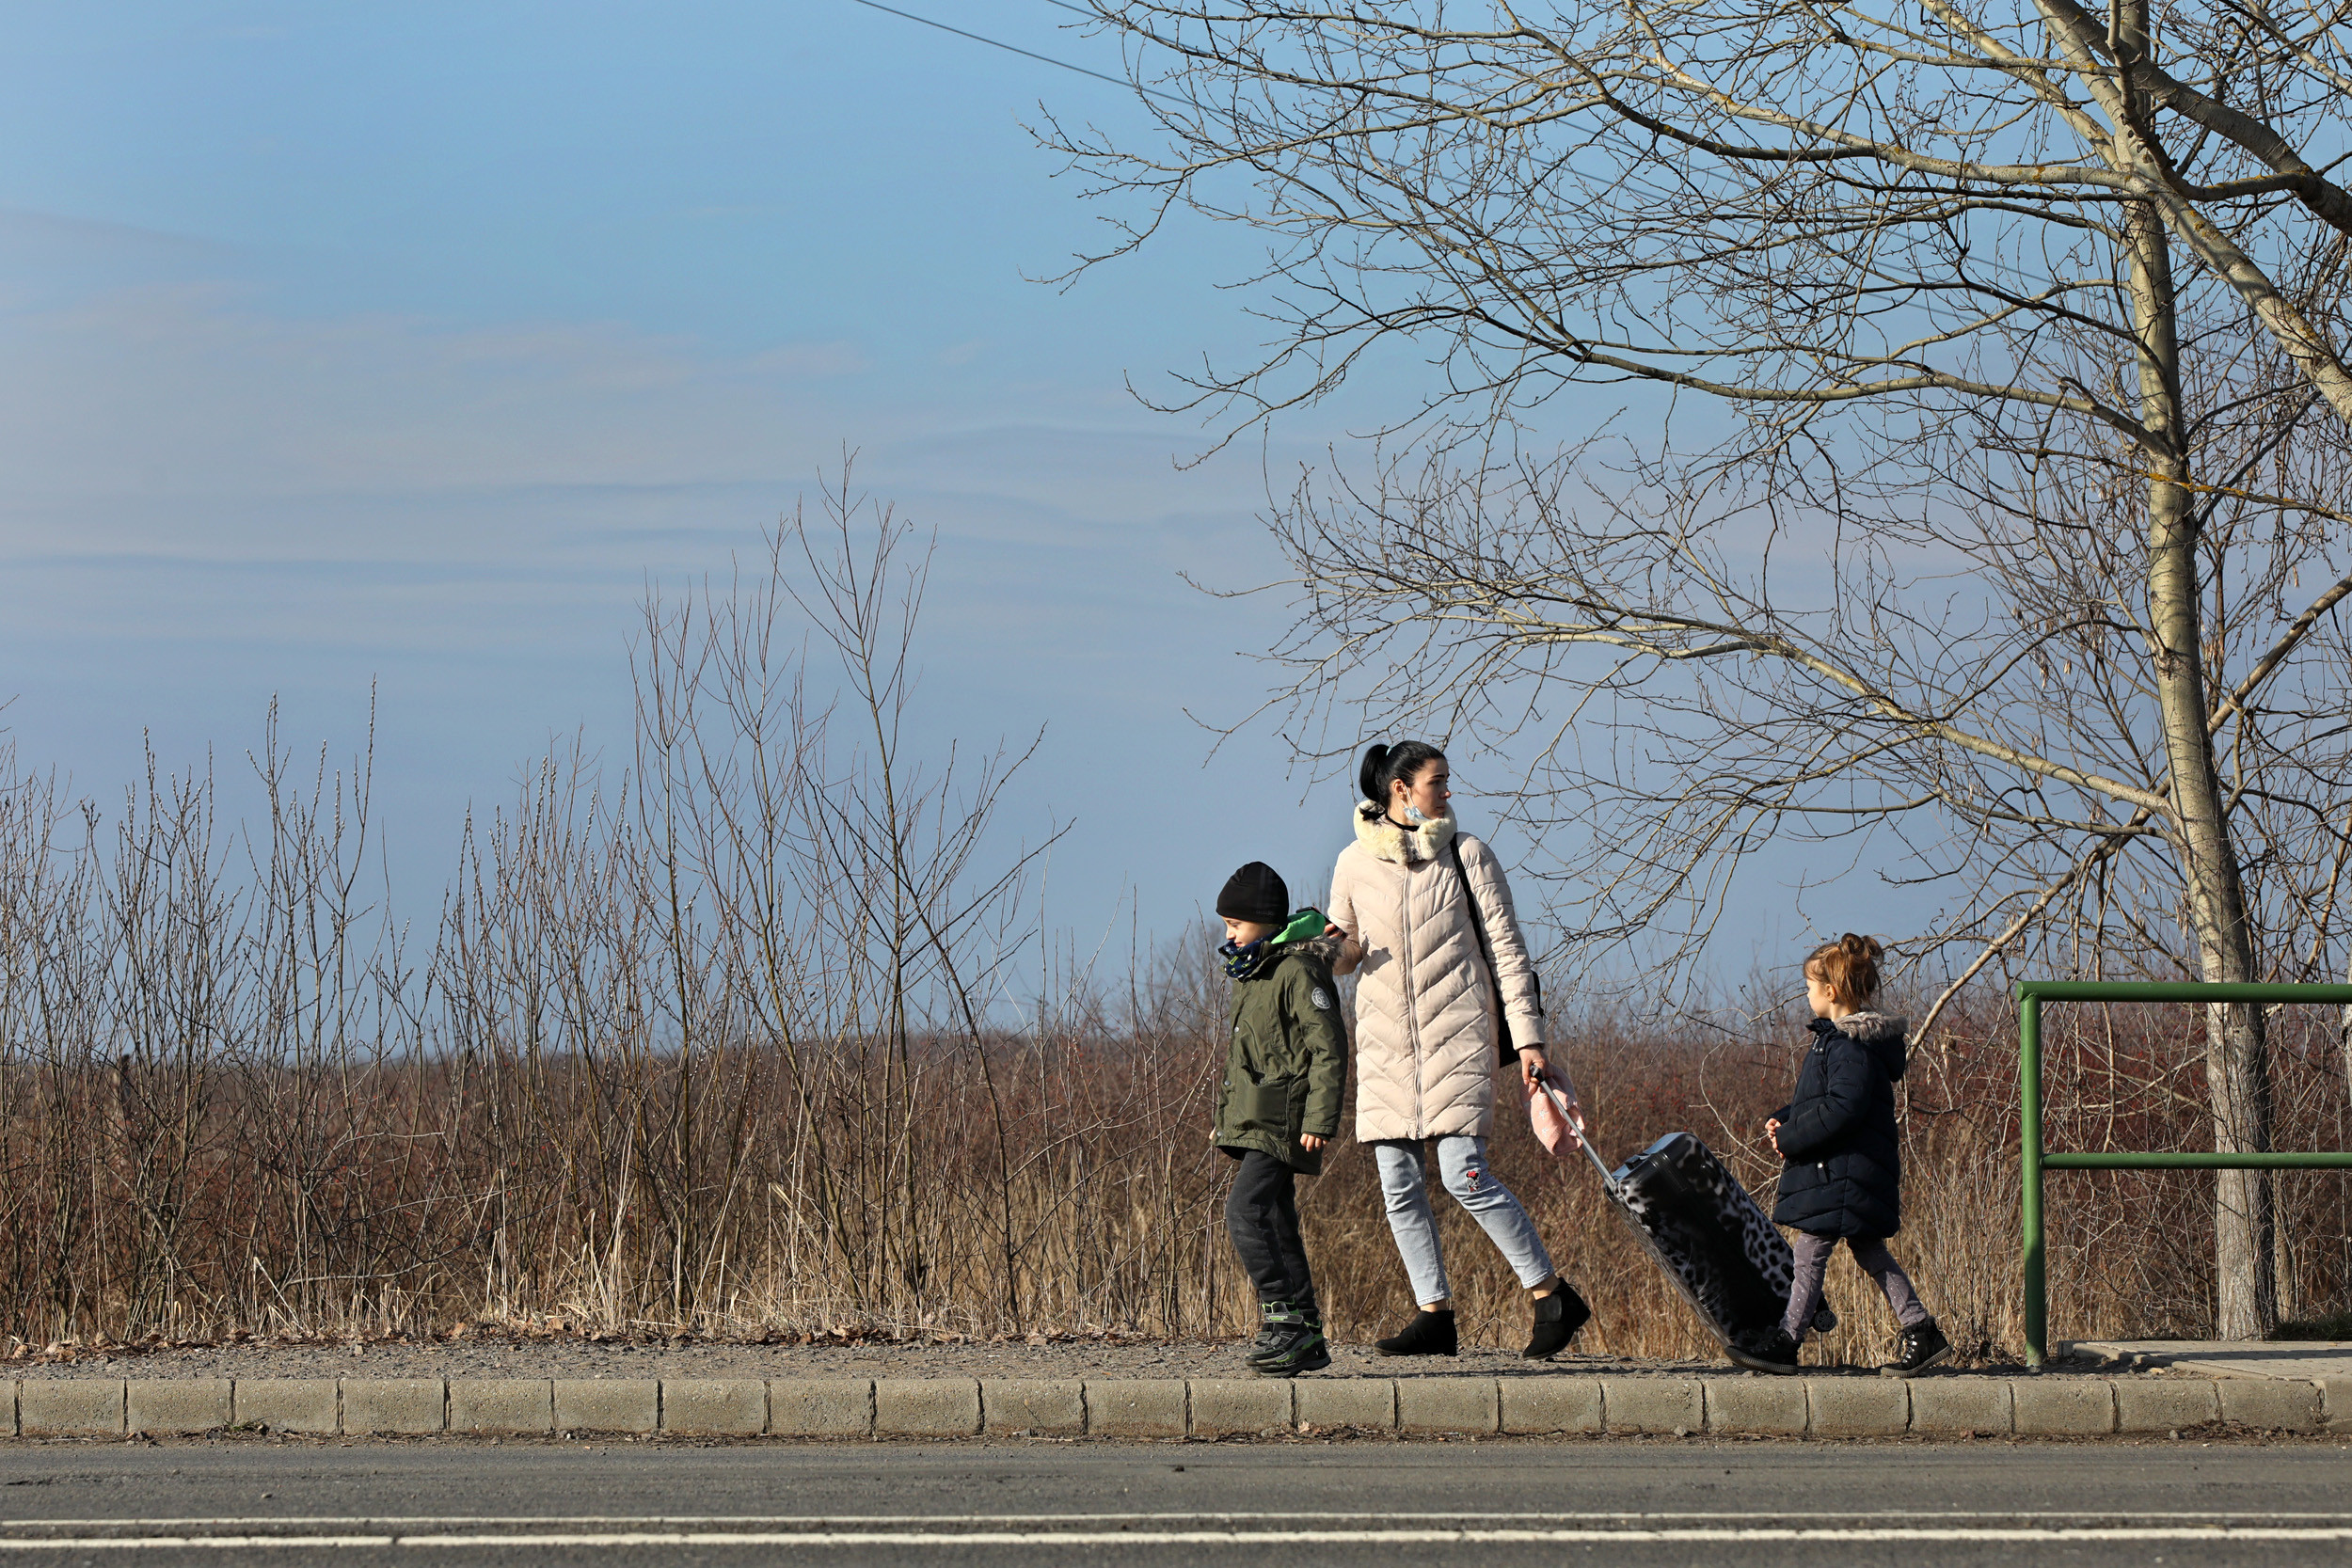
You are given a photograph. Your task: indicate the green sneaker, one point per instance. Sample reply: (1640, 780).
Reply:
(1279, 1318)
(1272, 1317)
(1301, 1347)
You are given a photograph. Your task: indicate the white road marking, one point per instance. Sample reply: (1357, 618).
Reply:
(226, 1542)
(837, 1539)
(2210, 1517)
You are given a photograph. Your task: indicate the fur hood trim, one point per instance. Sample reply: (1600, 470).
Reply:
(1326, 949)
(1385, 841)
(1878, 1035)
(1335, 951)
(1869, 1028)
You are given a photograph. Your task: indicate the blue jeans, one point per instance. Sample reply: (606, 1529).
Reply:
(1462, 1163)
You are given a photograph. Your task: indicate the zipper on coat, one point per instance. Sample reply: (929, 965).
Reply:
(1412, 1011)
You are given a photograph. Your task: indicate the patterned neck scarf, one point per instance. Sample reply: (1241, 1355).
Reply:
(1243, 962)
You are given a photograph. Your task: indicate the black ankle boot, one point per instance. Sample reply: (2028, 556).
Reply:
(1428, 1333)
(1922, 1347)
(1773, 1350)
(1558, 1316)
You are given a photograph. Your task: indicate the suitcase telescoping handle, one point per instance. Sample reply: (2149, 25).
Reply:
(1559, 1104)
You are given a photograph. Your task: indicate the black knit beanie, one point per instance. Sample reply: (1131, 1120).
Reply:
(1255, 893)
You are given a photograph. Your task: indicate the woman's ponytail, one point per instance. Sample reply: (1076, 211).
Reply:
(1384, 765)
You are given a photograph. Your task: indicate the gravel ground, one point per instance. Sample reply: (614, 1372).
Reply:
(492, 1357)
(661, 1358)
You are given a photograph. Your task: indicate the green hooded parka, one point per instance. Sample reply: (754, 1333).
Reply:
(1286, 1064)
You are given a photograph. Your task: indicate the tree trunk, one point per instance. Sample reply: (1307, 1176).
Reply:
(2237, 1071)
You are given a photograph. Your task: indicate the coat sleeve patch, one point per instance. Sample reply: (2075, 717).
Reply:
(1321, 998)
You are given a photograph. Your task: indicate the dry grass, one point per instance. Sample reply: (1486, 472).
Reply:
(481, 1180)
(732, 1044)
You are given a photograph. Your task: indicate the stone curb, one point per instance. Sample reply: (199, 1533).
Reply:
(957, 1407)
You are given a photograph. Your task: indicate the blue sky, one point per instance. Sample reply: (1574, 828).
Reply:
(400, 346)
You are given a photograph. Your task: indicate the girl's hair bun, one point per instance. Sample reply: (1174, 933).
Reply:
(1848, 966)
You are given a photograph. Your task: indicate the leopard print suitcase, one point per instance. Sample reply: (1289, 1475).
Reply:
(1720, 1250)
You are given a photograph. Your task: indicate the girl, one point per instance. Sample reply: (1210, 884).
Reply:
(1843, 1175)
(1439, 948)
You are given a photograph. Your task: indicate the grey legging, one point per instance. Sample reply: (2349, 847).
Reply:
(1804, 1292)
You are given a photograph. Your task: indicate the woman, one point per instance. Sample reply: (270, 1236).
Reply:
(1432, 915)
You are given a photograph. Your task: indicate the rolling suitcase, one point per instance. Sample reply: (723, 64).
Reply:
(1720, 1250)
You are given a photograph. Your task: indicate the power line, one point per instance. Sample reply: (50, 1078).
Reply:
(1016, 49)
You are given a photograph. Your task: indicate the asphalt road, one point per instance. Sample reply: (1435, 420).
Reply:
(620, 1505)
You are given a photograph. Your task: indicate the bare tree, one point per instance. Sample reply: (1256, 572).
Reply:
(822, 874)
(2024, 543)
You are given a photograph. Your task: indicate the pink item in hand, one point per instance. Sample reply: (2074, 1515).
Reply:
(1558, 1124)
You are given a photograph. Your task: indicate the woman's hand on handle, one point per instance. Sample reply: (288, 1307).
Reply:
(1534, 1070)
(1533, 1067)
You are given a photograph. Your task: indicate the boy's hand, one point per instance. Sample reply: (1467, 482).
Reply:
(1771, 1134)
(1311, 1144)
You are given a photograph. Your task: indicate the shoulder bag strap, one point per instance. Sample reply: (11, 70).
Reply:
(1486, 950)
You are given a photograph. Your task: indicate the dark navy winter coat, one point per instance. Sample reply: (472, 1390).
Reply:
(1845, 1172)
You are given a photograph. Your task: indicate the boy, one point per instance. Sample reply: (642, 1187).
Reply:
(1284, 1069)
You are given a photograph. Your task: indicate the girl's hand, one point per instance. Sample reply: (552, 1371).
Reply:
(1311, 1144)
(1771, 1134)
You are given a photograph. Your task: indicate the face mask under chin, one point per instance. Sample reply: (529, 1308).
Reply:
(1242, 963)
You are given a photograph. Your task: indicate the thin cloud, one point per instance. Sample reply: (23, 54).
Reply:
(188, 382)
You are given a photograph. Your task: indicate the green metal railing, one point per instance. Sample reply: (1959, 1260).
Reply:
(2030, 995)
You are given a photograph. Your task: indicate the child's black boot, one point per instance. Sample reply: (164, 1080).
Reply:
(1275, 1319)
(1428, 1333)
(1774, 1352)
(1294, 1345)
(1921, 1348)
(1558, 1316)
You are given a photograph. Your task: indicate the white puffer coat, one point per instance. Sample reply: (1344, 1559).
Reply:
(1425, 1045)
